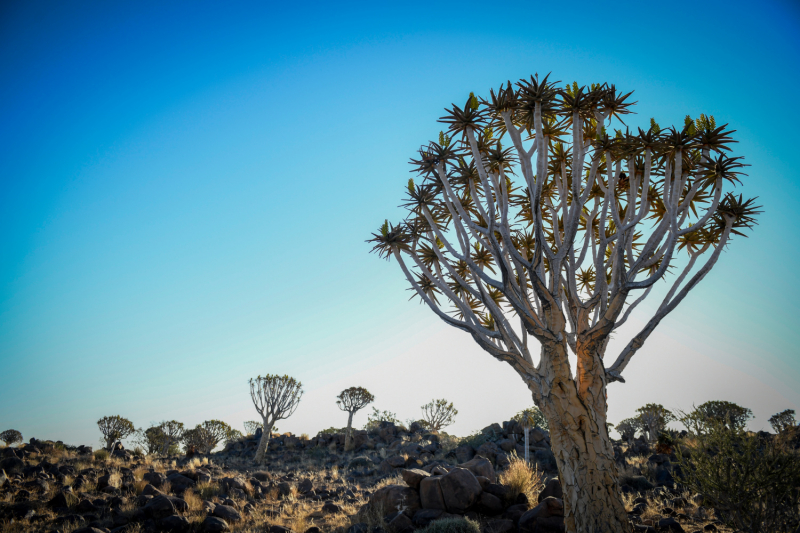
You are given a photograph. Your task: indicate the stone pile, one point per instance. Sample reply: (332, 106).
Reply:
(471, 490)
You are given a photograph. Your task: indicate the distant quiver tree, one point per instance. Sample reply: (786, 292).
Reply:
(171, 434)
(351, 401)
(275, 398)
(628, 429)
(538, 231)
(114, 428)
(251, 426)
(653, 419)
(439, 414)
(780, 422)
(11, 436)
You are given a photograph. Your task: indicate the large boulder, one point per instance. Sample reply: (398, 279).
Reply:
(430, 494)
(63, 500)
(213, 523)
(481, 466)
(490, 504)
(460, 489)
(552, 488)
(12, 465)
(546, 517)
(156, 479)
(393, 498)
(159, 507)
(464, 453)
(180, 482)
(413, 476)
(175, 524)
(227, 513)
(489, 450)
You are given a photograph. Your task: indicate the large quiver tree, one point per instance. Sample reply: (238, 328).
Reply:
(351, 401)
(275, 398)
(532, 223)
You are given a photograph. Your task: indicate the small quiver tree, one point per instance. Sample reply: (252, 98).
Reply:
(538, 232)
(351, 401)
(114, 428)
(11, 436)
(251, 426)
(438, 414)
(653, 420)
(171, 435)
(275, 398)
(628, 429)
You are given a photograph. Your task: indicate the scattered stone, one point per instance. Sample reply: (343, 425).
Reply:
(159, 507)
(212, 523)
(227, 513)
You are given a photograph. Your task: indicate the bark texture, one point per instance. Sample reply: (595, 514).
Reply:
(582, 448)
(261, 451)
(348, 436)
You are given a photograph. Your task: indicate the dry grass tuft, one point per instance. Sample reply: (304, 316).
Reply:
(194, 501)
(208, 490)
(520, 478)
(394, 480)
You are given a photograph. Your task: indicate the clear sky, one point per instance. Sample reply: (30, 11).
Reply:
(187, 188)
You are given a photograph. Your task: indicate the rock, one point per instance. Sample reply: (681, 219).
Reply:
(664, 477)
(212, 523)
(669, 524)
(179, 503)
(537, 435)
(460, 490)
(174, 524)
(12, 465)
(393, 498)
(159, 507)
(552, 488)
(545, 517)
(481, 466)
(180, 483)
(361, 527)
(150, 490)
(156, 479)
(227, 513)
(330, 507)
(401, 524)
(413, 476)
(285, 488)
(490, 504)
(63, 500)
(484, 481)
(305, 486)
(3, 478)
(499, 525)
(236, 482)
(396, 461)
(423, 517)
(359, 462)
(85, 506)
(430, 494)
(639, 483)
(488, 450)
(498, 490)
(464, 453)
(507, 445)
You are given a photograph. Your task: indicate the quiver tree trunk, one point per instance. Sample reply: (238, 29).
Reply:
(583, 451)
(264, 442)
(348, 435)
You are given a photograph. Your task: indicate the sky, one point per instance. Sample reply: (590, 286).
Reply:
(186, 189)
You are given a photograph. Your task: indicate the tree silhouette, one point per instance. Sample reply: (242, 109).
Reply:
(114, 428)
(534, 228)
(352, 400)
(438, 414)
(11, 436)
(275, 398)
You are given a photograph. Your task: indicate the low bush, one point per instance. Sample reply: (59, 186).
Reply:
(520, 478)
(452, 525)
(751, 482)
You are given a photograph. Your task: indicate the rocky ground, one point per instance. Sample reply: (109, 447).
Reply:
(395, 480)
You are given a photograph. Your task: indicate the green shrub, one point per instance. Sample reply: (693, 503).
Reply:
(752, 482)
(475, 439)
(452, 525)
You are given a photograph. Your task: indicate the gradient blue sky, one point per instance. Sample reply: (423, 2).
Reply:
(187, 187)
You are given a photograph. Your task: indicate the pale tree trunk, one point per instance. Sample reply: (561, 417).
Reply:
(527, 447)
(348, 438)
(576, 413)
(264, 442)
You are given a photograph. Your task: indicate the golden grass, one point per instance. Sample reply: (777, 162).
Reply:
(208, 490)
(394, 480)
(194, 501)
(520, 478)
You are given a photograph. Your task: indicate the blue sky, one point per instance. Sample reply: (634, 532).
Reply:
(186, 191)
